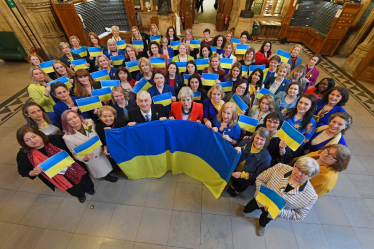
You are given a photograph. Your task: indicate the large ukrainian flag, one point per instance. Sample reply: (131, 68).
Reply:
(174, 44)
(121, 44)
(138, 44)
(88, 146)
(240, 104)
(103, 93)
(94, 51)
(89, 103)
(81, 51)
(172, 145)
(100, 75)
(62, 79)
(133, 66)
(163, 99)
(210, 79)
(269, 198)
(292, 137)
(202, 63)
(249, 124)
(227, 86)
(47, 66)
(53, 165)
(143, 85)
(285, 56)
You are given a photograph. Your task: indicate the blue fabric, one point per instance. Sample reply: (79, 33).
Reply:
(112, 73)
(55, 119)
(283, 107)
(307, 132)
(281, 88)
(233, 132)
(171, 52)
(299, 60)
(179, 83)
(268, 75)
(219, 51)
(60, 107)
(210, 112)
(311, 148)
(153, 91)
(325, 119)
(139, 76)
(120, 52)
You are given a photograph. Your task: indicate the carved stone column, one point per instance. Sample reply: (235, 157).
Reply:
(352, 41)
(237, 6)
(38, 14)
(360, 53)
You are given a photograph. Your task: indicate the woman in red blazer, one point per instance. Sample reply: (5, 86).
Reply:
(262, 56)
(186, 109)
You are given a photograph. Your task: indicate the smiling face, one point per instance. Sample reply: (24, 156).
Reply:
(337, 125)
(335, 97)
(304, 105)
(328, 156)
(144, 102)
(34, 60)
(188, 36)
(186, 103)
(115, 32)
(38, 75)
(33, 141)
(74, 42)
(235, 72)
(172, 69)
(118, 97)
(164, 44)
(74, 120)
(295, 51)
(159, 80)
(65, 49)
(255, 77)
(171, 32)
(107, 117)
(273, 64)
(113, 47)
(145, 68)
(249, 56)
(154, 30)
(94, 41)
(267, 47)
(214, 62)
(243, 39)
(272, 125)
(135, 32)
(205, 52)
(282, 72)
(103, 62)
(264, 105)
(216, 96)
(194, 84)
(182, 50)
(293, 91)
(258, 141)
(228, 50)
(228, 37)
(60, 69)
(299, 175)
(227, 114)
(62, 94)
(240, 90)
(35, 113)
(84, 80)
(323, 85)
(154, 50)
(190, 68)
(313, 61)
(219, 42)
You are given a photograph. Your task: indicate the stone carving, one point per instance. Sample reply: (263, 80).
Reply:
(164, 7)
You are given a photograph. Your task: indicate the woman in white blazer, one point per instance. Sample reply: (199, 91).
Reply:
(77, 131)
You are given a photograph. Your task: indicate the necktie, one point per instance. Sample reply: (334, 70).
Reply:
(146, 117)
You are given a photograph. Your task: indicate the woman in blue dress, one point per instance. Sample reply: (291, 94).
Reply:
(219, 42)
(213, 104)
(288, 99)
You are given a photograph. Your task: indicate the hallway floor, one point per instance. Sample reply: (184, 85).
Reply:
(176, 211)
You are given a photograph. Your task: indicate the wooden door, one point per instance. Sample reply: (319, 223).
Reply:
(224, 10)
(130, 9)
(365, 70)
(187, 9)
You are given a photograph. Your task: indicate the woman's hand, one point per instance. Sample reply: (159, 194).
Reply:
(96, 111)
(91, 58)
(282, 147)
(242, 112)
(106, 151)
(218, 81)
(75, 108)
(127, 68)
(246, 137)
(236, 174)
(238, 149)
(173, 99)
(226, 137)
(106, 128)
(198, 121)
(88, 157)
(36, 171)
(110, 62)
(136, 82)
(163, 119)
(131, 124)
(47, 90)
(71, 81)
(106, 102)
(87, 64)
(266, 208)
(72, 65)
(202, 79)
(215, 129)
(246, 76)
(171, 118)
(208, 124)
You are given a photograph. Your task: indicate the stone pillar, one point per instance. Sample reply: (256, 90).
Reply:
(352, 41)
(244, 24)
(175, 5)
(237, 7)
(360, 53)
(164, 22)
(38, 15)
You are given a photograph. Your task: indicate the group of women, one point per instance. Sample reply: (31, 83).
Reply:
(315, 110)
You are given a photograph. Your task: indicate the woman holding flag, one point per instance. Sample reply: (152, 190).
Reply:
(240, 88)
(266, 105)
(255, 80)
(219, 42)
(171, 35)
(249, 59)
(104, 64)
(153, 31)
(126, 81)
(113, 50)
(62, 70)
(95, 42)
(34, 59)
(131, 55)
(234, 74)
(228, 49)
(36, 148)
(215, 67)
(173, 78)
(74, 41)
(136, 36)
(298, 74)
(68, 56)
(194, 82)
(145, 71)
(244, 38)
(115, 33)
(191, 51)
(156, 52)
(186, 108)
(213, 104)
(165, 50)
(84, 83)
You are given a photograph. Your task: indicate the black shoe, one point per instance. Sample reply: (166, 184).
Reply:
(110, 178)
(82, 200)
(92, 192)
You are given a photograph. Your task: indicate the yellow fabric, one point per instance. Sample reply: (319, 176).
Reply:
(245, 175)
(218, 107)
(252, 89)
(255, 150)
(45, 125)
(37, 94)
(335, 140)
(71, 58)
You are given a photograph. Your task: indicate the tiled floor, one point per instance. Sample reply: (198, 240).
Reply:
(176, 211)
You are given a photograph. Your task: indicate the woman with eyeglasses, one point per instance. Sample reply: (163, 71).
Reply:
(240, 88)
(262, 56)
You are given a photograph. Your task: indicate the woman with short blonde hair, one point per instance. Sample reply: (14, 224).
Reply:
(105, 64)
(295, 58)
(39, 90)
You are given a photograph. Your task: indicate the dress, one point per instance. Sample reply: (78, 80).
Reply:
(307, 132)
(233, 132)
(324, 117)
(281, 104)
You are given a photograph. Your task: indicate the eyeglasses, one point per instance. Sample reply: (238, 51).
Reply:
(329, 155)
(272, 122)
(302, 172)
(242, 88)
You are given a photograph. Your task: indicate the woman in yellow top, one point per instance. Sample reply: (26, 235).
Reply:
(183, 56)
(332, 159)
(39, 90)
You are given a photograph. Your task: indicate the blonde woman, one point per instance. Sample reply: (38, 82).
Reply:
(115, 33)
(266, 105)
(136, 36)
(215, 66)
(227, 54)
(191, 51)
(183, 56)
(75, 43)
(113, 50)
(145, 71)
(295, 58)
(298, 74)
(105, 64)
(121, 103)
(153, 31)
(213, 104)
(279, 83)
(68, 56)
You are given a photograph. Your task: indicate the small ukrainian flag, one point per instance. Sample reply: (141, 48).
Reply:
(170, 60)
(196, 95)
(121, 44)
(89, 103)
(227, 86)
(81, 51)
(244, 70)
(202, 63)
(103, 93)
(63, 80)
(156, 38)
(133, 65)
(186, 77)
(174, 44)
(210, 79)
(143, 85)
(80, 64)
(138, 44)
(88, 146)
(214, 49)
(292, 137)
(241, 48)
(285, 56)
(235, 41)
(252, 68)
(195, 43)
(47, 66)
(100, 75)
(53, 165)
(271, 199)
(249, 124)
(240, 104)
(117, 60)
(226, 63)
(94, 51)
(158, 62)
(263, 92)
(181, 66)
(163, 99)
(110, 83)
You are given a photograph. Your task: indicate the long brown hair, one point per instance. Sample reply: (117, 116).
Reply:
(21, 132)
(79, 89)
(70, 71)
(33, 81)
(30, 121)
(94, 35)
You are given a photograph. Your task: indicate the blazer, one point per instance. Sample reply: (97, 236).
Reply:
(120, 52)
(255, 164)
(99, 166)
(312, 76)
(158, 111)
(325, 119)
(179, 83)
(233, 131)
(170, 52)
(64, 59)
(101, 132)
(299, 60)
(153, 91)
(60, 107)
(210, 112)
(196, 112)
(261, 59)
(189, 58)
(120, 115)
(37, 94)
(282, 88)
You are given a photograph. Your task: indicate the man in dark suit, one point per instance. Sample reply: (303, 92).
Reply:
(146, 111)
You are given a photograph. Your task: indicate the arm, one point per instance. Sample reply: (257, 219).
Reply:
(264, 177)
(296, 214)
(36, 96)
(260, 58)
(24, 166)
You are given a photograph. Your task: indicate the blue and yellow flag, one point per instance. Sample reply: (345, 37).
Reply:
(249, 124)
(285, 56)
(227, 86)
(210, 79)
(53, 165)
(47, 66)
(241, 48)
(169, 146)
(121, 44)
(170, 60)
(79, 64)
(186, 77)
(138, 44)
(156, 38)
(100, 75)
(174, 44)
(158, 62)
(143, 85)
(62, 79)
(226, 63)
(89, 103)
(244, 70)
(271, 199)
(88, 147)
(214, 49)
(163, 99)
(81, 51)
(292, 136)
(94, 51)
(110, 83)
(235, 41)
(252, 68)
(133, 65)
(195, 43)
(117, 60)
(103, 93)
(202, 63)
(181, 66)
(196, 95)
(263, 92)
(240, 104)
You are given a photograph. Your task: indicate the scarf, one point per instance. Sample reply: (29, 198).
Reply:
(217, 106)
(74, 173)
(334, 140)
(255, 150)
(321, 114)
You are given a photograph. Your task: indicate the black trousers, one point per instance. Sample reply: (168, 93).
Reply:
(84, 186)
(241, 184)
(252, 206)
(200, 3)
